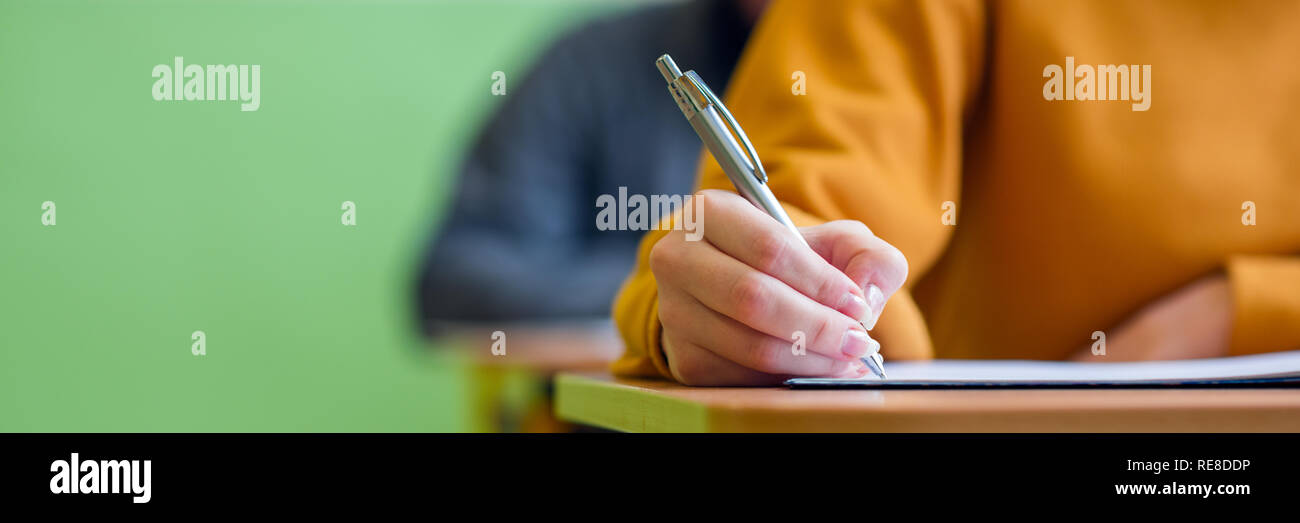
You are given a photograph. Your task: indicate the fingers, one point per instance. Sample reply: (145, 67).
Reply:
(734, 307)
(757, 300)
(692, 365)
(740, 344)
(744, 232)
(876, 266)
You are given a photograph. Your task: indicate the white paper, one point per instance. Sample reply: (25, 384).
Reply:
(1273, 365)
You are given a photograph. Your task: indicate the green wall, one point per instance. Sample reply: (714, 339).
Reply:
(174, 217)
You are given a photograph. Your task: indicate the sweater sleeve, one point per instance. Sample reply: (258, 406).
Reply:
(856, 110)
(1266, 303)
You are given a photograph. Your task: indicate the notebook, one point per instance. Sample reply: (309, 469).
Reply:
(1280, 369)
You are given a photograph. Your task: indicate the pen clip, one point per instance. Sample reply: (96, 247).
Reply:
(732, 124)
(687, 89)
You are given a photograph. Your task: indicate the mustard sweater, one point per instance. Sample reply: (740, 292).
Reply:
(1072, 209)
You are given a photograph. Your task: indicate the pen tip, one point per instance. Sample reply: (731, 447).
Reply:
(876, 364)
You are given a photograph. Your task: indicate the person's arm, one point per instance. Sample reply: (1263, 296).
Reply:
(1266, 303)
(518, 242)
(876, 139)
(1252, 307)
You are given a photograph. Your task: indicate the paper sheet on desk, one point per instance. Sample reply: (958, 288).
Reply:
(1261, 369)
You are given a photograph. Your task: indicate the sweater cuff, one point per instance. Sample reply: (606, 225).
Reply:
(1266, 304)
(654, 340)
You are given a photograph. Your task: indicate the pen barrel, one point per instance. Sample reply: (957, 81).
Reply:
(728, 153)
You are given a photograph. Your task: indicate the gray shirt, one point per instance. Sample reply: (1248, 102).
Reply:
(521, 241)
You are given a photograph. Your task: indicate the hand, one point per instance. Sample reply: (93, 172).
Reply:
(1192, 322)
(732, 303)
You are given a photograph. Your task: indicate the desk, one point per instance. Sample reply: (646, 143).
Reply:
(599, 400)
(511, 392)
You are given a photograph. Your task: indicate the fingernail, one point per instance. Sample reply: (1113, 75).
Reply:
(876, 302)
(855, 344)
(874, 346)
(854, 307)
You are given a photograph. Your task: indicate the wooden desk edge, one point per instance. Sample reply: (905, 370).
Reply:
(626, 408)
(625, 405)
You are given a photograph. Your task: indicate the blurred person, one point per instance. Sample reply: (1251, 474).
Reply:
(958, 160)
(521, 241)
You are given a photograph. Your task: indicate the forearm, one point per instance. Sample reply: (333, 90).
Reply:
(1266, 303)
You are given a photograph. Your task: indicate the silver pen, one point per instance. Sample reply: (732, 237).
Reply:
(719, 131)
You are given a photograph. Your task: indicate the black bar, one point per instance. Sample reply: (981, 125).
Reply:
(563, 473)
